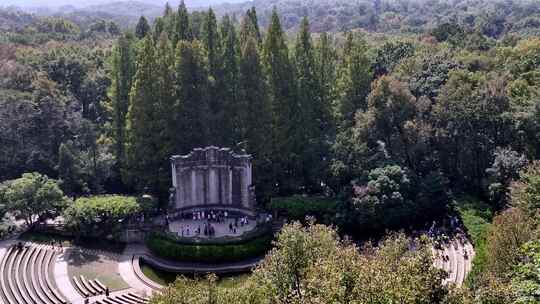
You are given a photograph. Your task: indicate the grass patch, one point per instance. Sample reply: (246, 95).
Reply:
(476, 216)
(165, 277)
(96, 266)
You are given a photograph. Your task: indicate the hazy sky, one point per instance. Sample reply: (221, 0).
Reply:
(78, 3)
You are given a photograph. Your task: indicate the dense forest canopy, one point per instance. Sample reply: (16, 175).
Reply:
(391, 110)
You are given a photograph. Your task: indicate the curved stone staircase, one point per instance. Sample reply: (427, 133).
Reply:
(456, 259)
(26, 276)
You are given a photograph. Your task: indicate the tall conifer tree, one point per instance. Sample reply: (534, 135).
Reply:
(212, 45)
(192, 95)
(123, 69)
(142, 28)
(355, 76)
(231, 126)
(313, 115)
(250, 27)
(166, 99)
(143, 145)
(284, 106)
(183, 29)
(256, 116)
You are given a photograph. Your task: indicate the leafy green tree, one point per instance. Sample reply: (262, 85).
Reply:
(525, 193)
(313, 265)
(100, 215)
(389, 56)
(508, 233)
(386, 198)
(388, 121)
(473, 111)
(143, 28)
(33, 197)
(504, 169)
(526, 281)
(69, 170)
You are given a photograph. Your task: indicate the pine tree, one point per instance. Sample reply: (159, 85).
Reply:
(212, 45)
(211, 42)
(313, 116)
(166, 107)
(354, 80)
(168, 10)
(159, 28)
(250, 27)
(284, 107)
(143, 28)
(326, 61)
(231, 123)
(143, 147)
(123, 70)
(192, 95)
(183, 29)
(256, 116)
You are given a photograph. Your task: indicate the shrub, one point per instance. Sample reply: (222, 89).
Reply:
(298, 207)
(166, 247)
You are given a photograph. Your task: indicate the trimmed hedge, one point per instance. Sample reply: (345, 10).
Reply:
(297, 207)
(260, 231)
(164, 246)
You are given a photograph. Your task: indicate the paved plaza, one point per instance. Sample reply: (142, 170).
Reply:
(195, 228)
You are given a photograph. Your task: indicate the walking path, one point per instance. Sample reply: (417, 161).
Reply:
(129, 268)
(61, 276)
(455, 257)
(125, 268)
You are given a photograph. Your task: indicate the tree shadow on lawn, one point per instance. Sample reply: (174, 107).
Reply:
(67, 241)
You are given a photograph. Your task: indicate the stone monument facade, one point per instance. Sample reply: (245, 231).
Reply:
(212, 177)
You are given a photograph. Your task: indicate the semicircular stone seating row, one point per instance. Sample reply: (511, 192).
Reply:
(26, 276)
(96, 290)
(456, 259)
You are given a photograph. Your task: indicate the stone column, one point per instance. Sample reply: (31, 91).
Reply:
(244, 187)
(229, 188)
(193, 189)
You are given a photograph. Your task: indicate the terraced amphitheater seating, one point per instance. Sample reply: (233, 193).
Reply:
(25, 276)
(128, 298)
(88, 288)
(456, 259)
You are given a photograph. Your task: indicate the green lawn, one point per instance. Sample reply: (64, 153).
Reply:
(477, 217)
(103, 267)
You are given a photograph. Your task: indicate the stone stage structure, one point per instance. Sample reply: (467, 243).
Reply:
(212, 178)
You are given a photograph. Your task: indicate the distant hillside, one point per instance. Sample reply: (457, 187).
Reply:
(492, 18)
(56, 4)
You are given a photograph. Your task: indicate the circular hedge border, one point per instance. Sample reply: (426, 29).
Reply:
(166, 246)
